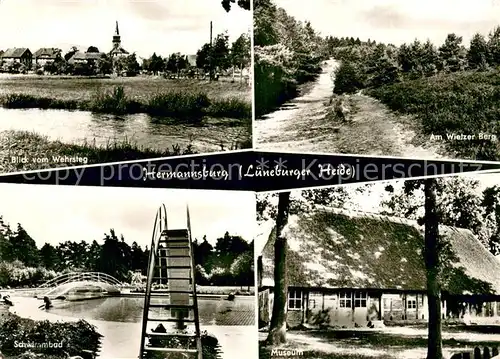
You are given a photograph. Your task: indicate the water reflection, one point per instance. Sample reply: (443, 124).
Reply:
(216, 311)
(141, 129)
(118, 319)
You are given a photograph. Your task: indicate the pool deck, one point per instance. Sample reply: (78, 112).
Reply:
(236, 341)
(207, 296)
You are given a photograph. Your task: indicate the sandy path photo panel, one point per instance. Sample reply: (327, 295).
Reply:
(411, 79)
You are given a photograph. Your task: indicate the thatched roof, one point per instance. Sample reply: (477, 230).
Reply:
(15, 52)
(94, 55)
(340, 249)
(47, 53)
(81, 56)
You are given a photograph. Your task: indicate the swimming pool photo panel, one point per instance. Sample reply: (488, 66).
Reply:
(127, 273)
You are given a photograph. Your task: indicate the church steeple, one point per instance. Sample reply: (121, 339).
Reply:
(116, 38)
(117, 50)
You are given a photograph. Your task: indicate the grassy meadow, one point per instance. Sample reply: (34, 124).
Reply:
(459, 103)
(139, 88)
(176, 98)
(32, 145)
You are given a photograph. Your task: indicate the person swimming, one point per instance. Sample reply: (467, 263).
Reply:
(47, 303)
(7, 300)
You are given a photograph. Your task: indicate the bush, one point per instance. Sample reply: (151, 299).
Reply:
(202, 278)
(274, 78)
(28, 101)
(210, 346)
(232, 107)
(455, 103)
(16, 274)
(189, 106)
(347, 79)
(115, 102)
(76, 337)
(222, 277)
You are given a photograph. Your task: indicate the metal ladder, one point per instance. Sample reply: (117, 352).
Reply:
(171, 264)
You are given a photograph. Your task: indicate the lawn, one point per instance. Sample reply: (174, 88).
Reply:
(139, 88)
(460, 103)
(185, 99)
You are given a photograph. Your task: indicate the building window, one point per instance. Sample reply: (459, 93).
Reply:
(294, 300)
(411, 304)
(312, 303)
(345, 300)
(360, 299)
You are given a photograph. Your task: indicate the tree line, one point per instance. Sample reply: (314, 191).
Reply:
(461, 204)
(213, 58)
(287, 54)
(22, 263)
(367, 64)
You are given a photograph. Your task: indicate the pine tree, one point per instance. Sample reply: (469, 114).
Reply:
(478, 54)
(452, 54)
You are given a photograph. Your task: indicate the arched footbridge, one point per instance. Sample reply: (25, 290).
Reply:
(80, 285)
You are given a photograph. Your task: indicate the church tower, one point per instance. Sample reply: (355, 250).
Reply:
(116, 38)
(117, 50)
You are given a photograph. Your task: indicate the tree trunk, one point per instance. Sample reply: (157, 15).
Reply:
(432, 265)
(277, 329)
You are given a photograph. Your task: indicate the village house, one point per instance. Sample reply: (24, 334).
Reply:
(78, 57)
(46, 55)
(81, 57)
(348, 269)
(21, 55)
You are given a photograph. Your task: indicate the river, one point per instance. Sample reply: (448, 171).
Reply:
(86, 127)
(119, 320)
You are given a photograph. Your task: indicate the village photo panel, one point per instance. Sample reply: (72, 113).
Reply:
(95, 272)
(392, 269)
(84, 82)
(414, 79)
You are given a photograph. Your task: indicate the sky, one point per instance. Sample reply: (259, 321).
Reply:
(54, 214)
(396, 21)
(371, 201)
(146, 26)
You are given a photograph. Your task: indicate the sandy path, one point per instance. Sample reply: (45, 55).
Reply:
(307, 342)
(302, 125)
